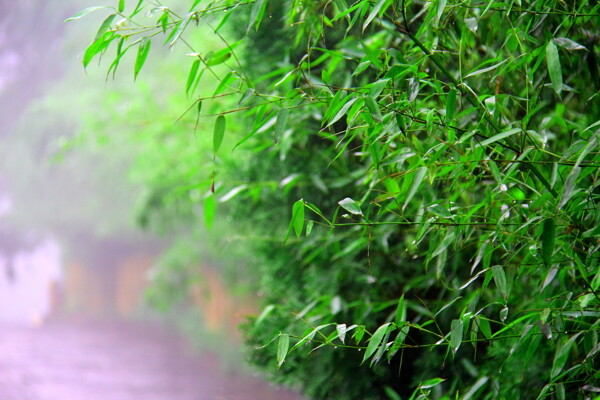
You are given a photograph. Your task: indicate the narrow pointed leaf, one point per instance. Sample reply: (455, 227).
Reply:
(500, 280)
(456, 334)
(554, 68)
(548, 238)
(219, 132)
(419, 175)
(282, 348)
(83, 13)
(143, 50)
(375, 341)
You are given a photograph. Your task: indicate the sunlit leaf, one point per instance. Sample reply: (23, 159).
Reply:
(298, 217)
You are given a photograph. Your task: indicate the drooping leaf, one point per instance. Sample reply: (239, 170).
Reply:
(97, 47)
(419, 175)
(256, 14)
(142, 54)
(192, 75)
(121, 6)
(500, 279)
(450, 105)
(548, 239)
(456, 335)
(282, 348)
(219, 133)
(561, 355)
(298, 217)
(209, 210)
(401, 311)
(554, 68)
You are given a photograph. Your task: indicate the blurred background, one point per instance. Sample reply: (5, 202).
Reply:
(75, 147)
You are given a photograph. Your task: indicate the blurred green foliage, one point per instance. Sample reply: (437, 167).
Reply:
(413, 186)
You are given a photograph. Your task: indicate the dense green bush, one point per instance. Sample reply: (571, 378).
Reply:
(437, 163)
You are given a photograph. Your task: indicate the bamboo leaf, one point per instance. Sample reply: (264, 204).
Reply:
(351, 206)
(450, 105)
(192, 75)
(219, 132)
(143, 50)
(401, 311)
(456, 335)
(419, 175)
(554, 68)
(282, 348)
(121, 6)
(209, 210)
(83, 13)
(569, 186)
(104, 26)
(568, 44)
(548, 238)
(500, 279)
(375, 341)
(500, 136)
(298, 217)
(258, 10)
(282, 117)
(561, 355)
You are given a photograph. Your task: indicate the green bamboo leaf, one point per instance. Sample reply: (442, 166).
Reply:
(373, 107)
(456, 335)
(374, 11)
(83, 13)
(450, 105)
(282, 117)
(428, 384)
(561, 355)
(569, 186)
(419, 175)
(500, 136)
(401, 311)
(375, 341)
(219, 132)
(97, 47)
(399, 341)
(209, 210)
(554, 68)
(447, 241)
(500, 279)
(548, 237)
(104, 26)
(343, 110)
(121, 6)
(298, 217)
(351, 206)
(256, 14)
(192, 75)
(143, 50)
(282, 348)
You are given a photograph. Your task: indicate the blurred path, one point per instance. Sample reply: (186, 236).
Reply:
(86, 360)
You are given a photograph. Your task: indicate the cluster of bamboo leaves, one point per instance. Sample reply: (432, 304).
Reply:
(438, 165)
